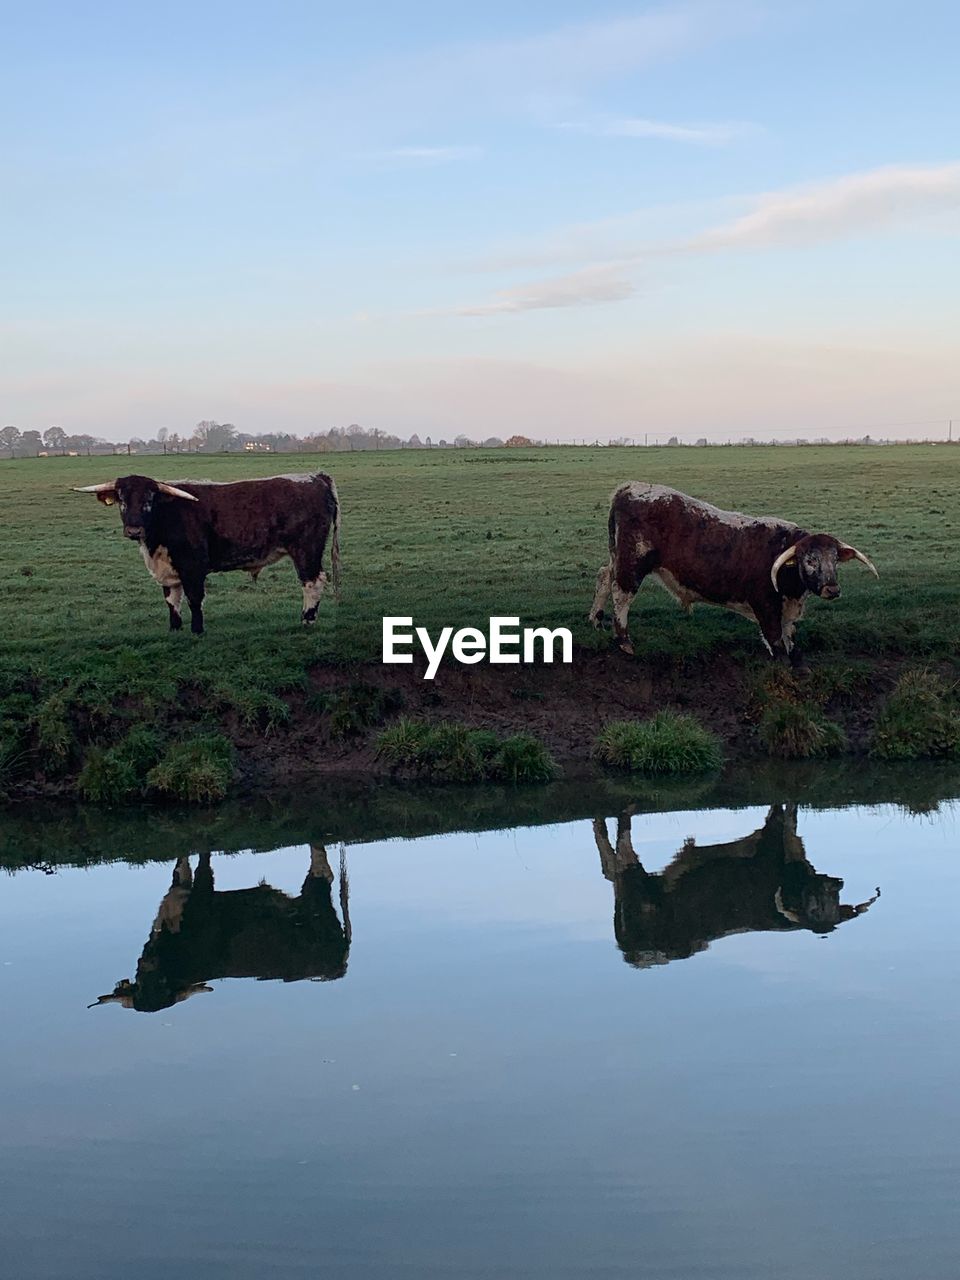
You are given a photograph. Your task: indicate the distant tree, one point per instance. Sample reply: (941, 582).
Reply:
(673, 440)
(702, 440)
(463, 442)
(493, 442)
(415, 442)
(54, 437)
(10, 438)
(214, 437)
(30, 442)
(519, 442)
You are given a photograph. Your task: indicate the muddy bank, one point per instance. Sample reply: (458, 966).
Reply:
(563, 706)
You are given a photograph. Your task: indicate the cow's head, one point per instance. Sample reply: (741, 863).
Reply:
(815, 903)
(136, 497)
(815, 559)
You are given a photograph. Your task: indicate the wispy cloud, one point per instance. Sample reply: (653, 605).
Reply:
(851, 205)
(704, 134)
(854, 205)
(428, 155)
(577, 289)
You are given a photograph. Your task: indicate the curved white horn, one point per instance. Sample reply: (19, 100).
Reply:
(850, 553)
(788, 915)
(176, 493)
(787, 557)
(96, 488)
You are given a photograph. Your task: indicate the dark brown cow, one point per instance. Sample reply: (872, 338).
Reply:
(201, 934)
(762, 882)
(759, 566)
(194, 528)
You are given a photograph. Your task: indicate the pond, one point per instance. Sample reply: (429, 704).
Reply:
(626, 1033)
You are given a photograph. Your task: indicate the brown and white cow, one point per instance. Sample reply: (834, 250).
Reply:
(762, 882)
(202, 934)
(194, 528)
(759, 566)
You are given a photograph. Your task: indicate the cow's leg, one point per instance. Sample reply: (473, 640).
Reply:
(320, 868)
(769, 617)
(194, 589)
(182, 874)
(312, 579)
(174, 599)
(604, 579)
(312, 591)
(626, 583)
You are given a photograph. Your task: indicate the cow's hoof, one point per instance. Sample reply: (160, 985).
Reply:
(627, 648)
(308, 616)
(598, 620)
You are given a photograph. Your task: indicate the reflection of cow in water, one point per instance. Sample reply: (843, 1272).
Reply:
(201, 934)
(762, 882)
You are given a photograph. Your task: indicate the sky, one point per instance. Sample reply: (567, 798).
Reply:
(564, 219)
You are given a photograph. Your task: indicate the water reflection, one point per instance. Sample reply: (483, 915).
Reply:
(762, 882)
(759, 883)
(201, 934)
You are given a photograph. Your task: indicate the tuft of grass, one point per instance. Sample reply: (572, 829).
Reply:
(523, 758)
(920, 720)
(358, 707)
(669, 743)
(800, 731)
(113, 774)
(198, 769)
(452, 752)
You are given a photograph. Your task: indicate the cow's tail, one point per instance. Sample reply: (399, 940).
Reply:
(612, 529)
(335, 544)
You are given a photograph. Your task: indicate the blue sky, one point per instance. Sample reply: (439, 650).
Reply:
(572, 220)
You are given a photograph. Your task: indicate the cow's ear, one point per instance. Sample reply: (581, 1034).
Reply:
(108, 497)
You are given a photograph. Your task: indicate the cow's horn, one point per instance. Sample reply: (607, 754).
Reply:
(174, 492)
(95, 488)
(787, 557)
(861, 907)
(789, 915)
(851, 553)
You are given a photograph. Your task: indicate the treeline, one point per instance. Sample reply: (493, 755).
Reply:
(223, 437)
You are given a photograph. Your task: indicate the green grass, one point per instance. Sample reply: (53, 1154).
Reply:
(919, 721)
(800, 731)
(449, 537)
(451, 752)
(198, 770)
(668, 743)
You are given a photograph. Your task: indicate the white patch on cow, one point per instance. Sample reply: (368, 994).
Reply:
(790, 615)
(312, 591)
(159, 566)
(175, 598)
(645, 493)
(301, 477)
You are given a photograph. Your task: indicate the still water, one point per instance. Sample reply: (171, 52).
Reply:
(689, 1043)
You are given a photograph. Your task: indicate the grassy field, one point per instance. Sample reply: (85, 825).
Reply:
(449, 537)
